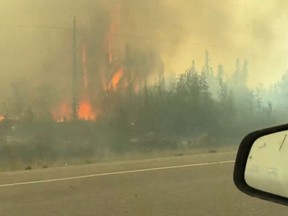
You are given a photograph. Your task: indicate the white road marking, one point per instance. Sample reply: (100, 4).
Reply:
(117, 173)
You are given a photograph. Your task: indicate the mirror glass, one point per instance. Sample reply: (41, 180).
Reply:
(267, 164)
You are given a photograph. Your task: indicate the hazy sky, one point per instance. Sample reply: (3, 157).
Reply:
(180, 31)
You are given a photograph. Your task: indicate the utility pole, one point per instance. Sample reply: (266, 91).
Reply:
(75, 75)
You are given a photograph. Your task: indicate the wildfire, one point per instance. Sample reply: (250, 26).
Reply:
(86, 109)
(86, 112)
(63, 112)
(113, 84)
(1, 118)
(115, 72)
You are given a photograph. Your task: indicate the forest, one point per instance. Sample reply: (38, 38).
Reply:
(200, 108)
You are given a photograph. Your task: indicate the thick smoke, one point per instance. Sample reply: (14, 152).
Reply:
(36, 39)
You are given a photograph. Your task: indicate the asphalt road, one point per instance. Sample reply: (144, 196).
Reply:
(187, 185)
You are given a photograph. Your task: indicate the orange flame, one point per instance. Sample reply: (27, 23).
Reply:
(113, 84)
(85, 109)
(2, 118)
(86, 112)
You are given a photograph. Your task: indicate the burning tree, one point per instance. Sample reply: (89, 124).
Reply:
(110, 68)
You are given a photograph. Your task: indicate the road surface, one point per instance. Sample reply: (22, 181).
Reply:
(186, 185)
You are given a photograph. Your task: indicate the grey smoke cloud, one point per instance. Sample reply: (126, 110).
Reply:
(178, 31)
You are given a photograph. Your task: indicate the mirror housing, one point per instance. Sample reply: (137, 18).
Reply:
(255, 178)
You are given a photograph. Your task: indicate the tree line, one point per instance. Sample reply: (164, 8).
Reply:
(201, 107)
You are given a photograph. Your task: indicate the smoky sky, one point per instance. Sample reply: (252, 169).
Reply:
(36, 36)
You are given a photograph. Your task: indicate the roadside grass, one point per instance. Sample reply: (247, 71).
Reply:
(15, 164)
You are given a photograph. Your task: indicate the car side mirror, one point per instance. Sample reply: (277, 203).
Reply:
(261, 166)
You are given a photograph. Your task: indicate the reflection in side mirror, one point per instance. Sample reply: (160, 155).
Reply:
(267, 164)
(261, 165)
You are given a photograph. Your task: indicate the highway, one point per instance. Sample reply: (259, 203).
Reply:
(199, 184)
